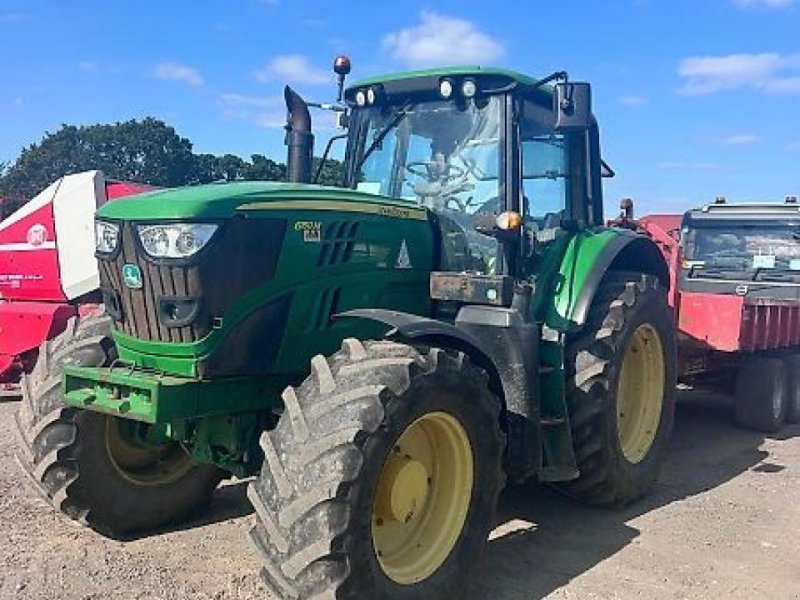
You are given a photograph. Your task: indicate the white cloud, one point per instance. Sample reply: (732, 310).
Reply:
(18, 101)
(440, 39)
(293, 68)
(89, 66)
(768, 72)
(173, 71)
(689, 166)
(245, 100)
(763, 3)
(793, 146)
(740, 139)
(315, 23)
(13, 17)
(633, 100)
(264, 111)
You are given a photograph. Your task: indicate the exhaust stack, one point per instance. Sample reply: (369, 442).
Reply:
(299, 139)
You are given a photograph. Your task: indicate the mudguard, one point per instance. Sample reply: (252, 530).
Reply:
(588, 257)
(405, 325)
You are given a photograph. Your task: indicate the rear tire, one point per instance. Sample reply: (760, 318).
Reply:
(761, 398)
(342, 460)
(65, 451)
(792, 363)
(621, 416)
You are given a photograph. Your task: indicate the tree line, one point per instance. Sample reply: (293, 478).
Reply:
(145, 151)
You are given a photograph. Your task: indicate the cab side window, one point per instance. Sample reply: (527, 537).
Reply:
(545, 166)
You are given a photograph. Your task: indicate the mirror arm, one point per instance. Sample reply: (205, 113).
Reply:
(557, 76)
(561, 76)
(322, 160)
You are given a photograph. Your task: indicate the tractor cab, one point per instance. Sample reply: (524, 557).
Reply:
(481, 149)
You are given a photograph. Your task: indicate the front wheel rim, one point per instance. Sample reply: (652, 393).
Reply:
(422, 498)
(146, 466)
(640, 393)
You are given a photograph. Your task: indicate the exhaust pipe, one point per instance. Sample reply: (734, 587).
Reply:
(299, 139)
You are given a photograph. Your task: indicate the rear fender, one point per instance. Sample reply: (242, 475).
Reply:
(587, 260)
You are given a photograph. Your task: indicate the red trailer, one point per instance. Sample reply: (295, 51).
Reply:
(735, 291)
(48, 273)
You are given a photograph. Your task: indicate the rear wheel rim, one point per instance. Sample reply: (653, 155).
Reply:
(422, 498)
(640, 393)
(149, 466)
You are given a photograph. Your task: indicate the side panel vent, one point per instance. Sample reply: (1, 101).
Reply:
(325, 307)
(337, 243)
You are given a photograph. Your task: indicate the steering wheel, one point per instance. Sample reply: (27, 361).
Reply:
(447, 172)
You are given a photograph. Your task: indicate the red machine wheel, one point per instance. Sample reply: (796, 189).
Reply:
(792, 363)
(761, 395)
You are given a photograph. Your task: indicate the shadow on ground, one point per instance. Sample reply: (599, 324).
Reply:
(557, 540)
(228, 502)
(553, 540)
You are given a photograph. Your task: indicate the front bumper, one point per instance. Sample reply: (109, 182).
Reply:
(155, 398)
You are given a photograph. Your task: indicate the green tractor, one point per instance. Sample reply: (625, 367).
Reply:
(382, 357)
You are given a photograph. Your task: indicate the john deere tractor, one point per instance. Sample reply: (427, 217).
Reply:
(382, 357)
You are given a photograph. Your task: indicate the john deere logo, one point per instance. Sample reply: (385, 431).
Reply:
(132, 276)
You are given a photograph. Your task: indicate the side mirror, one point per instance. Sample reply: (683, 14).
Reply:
(573, 106)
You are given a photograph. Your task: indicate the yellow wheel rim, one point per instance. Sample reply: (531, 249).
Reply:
(144, 465)
(640, 393)
(422, 498)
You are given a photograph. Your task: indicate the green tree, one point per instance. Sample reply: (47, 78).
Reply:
(331, 173)
(147, 151)
(231, 167)
(262, 168)
(205, 169)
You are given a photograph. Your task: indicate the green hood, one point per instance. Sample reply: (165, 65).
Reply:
(224, 200)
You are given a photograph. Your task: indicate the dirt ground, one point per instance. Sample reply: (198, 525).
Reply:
(722, 522)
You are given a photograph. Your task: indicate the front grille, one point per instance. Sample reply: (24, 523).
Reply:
(241, 256)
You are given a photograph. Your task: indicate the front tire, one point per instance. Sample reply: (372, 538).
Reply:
(84, 463)
(381, 478)
(621, 390)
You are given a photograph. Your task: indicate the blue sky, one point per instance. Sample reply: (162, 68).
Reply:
(695, 98)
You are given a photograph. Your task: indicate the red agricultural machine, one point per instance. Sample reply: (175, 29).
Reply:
(735, 291)
(48, 273)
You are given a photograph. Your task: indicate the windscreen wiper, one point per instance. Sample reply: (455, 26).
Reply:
(779, 276)
(717, 272)
(398, 116)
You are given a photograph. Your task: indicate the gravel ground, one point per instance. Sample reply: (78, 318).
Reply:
(722, 522)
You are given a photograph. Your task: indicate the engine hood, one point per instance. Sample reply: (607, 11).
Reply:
(225, 200)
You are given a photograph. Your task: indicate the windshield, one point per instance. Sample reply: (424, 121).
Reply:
(444, 155)
(746, 251)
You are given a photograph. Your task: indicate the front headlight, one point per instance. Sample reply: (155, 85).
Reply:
(106, 236)
(175, 240)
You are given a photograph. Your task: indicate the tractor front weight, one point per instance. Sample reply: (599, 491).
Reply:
(216, 421)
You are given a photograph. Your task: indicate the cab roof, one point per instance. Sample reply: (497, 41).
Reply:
(456, 71)
(746, 211)
(425, 83)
